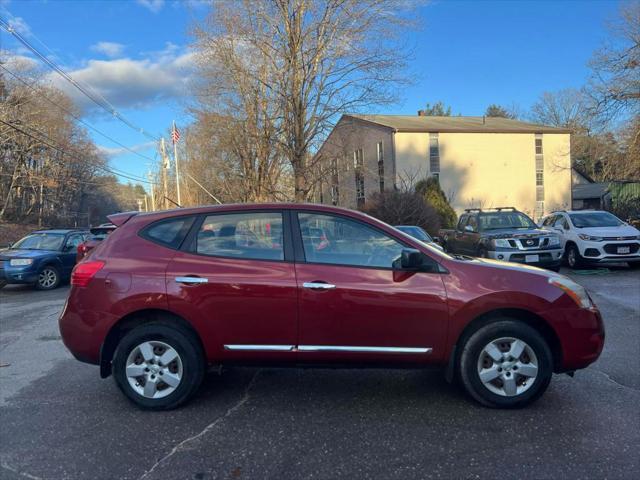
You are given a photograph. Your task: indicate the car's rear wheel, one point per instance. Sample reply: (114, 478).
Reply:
(506, 364)
(48, 278)
(574, 259)
(158, 366)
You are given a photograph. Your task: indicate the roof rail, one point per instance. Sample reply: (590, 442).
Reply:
(490, 209)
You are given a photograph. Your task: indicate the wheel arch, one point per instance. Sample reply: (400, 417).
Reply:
(132, 320)
(526, 316)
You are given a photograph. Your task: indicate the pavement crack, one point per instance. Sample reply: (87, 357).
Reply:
(610, 378)
(18, 472)
(180, 446)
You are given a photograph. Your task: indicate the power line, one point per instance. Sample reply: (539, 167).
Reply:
(68, 112)
(102, 103)
(65, 152)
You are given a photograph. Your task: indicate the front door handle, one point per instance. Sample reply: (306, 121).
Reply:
(191, 280)
(318, 285)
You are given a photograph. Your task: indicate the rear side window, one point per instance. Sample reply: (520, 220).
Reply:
(257, 236)
(169, 233)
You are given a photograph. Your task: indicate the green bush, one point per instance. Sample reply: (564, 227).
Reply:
(430, 190)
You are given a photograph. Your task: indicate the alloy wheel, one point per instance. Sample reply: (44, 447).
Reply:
(47, 278)
(507, 366)
(154, 369)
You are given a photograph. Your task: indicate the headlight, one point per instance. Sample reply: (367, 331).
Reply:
(501, 243)
(577, 292)
(589, 238)
(554, 241)
(20, 262)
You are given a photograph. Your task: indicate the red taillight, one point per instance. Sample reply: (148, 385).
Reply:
(84, 272)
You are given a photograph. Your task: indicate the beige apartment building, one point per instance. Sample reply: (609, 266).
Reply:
(480, 162)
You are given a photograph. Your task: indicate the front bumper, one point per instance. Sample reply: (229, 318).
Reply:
(24, 275)
(541, 258)
(610, 251)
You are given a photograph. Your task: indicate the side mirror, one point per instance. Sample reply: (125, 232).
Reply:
(411, 259)
(469, 228)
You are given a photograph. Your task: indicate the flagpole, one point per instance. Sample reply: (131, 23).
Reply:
(175, 156)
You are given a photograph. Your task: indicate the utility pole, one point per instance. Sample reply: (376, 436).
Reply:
(174, 137)
(165, 165)
(153, 194)
(146, 203)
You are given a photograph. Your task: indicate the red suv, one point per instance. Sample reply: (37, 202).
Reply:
(169, 294)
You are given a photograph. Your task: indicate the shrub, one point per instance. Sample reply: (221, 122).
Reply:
(403, 208)
(430, 190)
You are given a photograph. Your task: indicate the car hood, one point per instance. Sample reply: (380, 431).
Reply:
(18, 253)
(516, 233)
(621, 231)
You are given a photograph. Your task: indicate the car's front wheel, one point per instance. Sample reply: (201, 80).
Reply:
(158, 366)
(48, 278)
(574, 259)
(506, 364)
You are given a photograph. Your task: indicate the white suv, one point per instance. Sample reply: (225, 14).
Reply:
(590, 236)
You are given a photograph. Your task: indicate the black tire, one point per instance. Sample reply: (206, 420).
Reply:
(48, 278)
(189, 351)
(482, 253)
(471, 356)
(573, 257)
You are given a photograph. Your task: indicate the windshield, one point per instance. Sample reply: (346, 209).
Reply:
(594, 219)
(416, 232)
(40, 241)
(505, 220)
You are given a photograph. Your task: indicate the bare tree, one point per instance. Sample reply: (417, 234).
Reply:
(304, 62)
(614, 85)
(568, 108)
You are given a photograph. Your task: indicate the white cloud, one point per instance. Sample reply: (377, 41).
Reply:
(152, 5)
(117, 151)
(19, 63)
(19, 25)
(110, 49)
(129, 83)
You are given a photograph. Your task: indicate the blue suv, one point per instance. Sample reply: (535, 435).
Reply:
(43, 258)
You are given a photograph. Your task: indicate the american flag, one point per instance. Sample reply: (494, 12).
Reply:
(175, 134)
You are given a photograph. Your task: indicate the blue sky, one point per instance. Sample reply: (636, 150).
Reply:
(468, 54)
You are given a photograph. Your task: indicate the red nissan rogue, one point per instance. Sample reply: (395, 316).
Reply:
(169, 294)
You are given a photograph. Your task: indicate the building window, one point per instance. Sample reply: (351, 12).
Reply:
(539, 176)
(358, 164)
(434, 154)
(335, 191)
(380, 150)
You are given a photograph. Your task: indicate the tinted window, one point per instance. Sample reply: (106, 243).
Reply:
(243, 235)
(462, 222)
(594, 219)
(339, 241)
(473, 223)
(169, 233)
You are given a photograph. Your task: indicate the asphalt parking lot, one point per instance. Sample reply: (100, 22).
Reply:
(58, 419)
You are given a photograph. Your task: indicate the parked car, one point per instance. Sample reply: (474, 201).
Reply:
(594, 237)
(43, 258)
(419, 234)
(169, 294)
(98, 234)
(503, 234)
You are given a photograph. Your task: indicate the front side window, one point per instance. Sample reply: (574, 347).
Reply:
(500, 220)
(339, 241)
(257, 236)
(73, 241)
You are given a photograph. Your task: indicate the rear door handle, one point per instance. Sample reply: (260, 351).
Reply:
(318, 285)
(192, 280)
